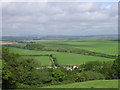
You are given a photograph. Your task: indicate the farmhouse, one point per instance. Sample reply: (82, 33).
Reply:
(74, 67)
(71, 68)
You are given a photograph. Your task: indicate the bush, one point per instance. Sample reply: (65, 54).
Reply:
(104, 68)
(19, 71)
(58, 75)
(21, 86)
(116, 68)
(89, 75)
(34, 46)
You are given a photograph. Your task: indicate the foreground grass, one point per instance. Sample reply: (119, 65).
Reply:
(89, 84)
(62, 58)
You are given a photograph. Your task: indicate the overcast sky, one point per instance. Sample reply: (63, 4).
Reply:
(22, 19)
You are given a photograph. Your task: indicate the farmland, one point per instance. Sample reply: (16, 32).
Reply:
(107, 47)
(59, 45)
(102, 46)
(42, 60)
(89, 84)
(62, 58)
(94, 60)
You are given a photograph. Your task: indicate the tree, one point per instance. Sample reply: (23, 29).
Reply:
(58, 75)
(19, 72)
(116, 67)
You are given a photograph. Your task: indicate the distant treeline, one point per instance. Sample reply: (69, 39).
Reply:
(64, 49)
(35, 55)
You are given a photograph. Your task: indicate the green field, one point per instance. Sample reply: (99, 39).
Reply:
(89, 84)
(107, 47)
(62, 58)
(101, 46)
(42, 60)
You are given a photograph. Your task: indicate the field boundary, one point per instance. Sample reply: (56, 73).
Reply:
(71, 50)
(51, 58)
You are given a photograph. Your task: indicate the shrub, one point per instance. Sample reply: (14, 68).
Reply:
(58, 75)
(89, 75)
(34, 46)
(116, 68)
(70, 76)
(21, 86)
(18, 71)
(104, 68)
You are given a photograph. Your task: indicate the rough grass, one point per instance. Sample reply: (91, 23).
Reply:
(62, 58)
(89, 84)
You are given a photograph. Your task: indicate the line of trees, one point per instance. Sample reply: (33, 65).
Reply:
(78, 51)
(53, 59)
(66, 50)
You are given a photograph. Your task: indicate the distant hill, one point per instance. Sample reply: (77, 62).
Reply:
(90, 37)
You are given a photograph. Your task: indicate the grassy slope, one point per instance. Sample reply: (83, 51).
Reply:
(89, 84)
(107, 47)
(62, 58)
(102, 46)
(42, 60)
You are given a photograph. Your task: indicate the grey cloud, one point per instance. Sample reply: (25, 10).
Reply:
(59, 18)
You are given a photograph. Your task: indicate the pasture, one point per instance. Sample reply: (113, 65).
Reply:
(101, 46)
(42, 60)
(62, 58)
(107, 47)
(89, 84)
(58, 53)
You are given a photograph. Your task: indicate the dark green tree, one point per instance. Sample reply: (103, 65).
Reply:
(19, 72)
(116, 68)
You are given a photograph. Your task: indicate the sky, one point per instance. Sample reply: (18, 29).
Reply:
(59, 18)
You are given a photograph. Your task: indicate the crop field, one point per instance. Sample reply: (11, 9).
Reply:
(89, 84)
(107, 47)
(62, 58)
(102, 46)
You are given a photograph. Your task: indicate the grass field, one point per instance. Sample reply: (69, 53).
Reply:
(42, 60)
(102, 46)
(89, 84)
(62, 58)
(107, 47)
